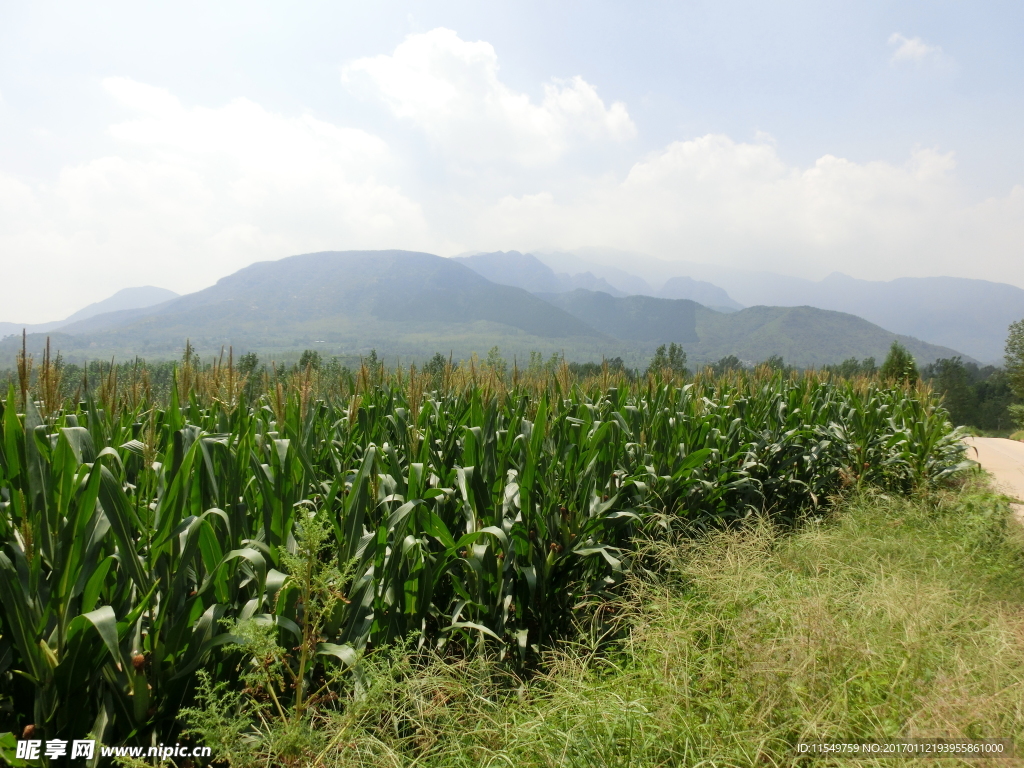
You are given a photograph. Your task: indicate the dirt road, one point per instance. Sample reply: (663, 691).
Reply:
(1004, 460)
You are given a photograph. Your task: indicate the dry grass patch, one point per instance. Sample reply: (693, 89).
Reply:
(894, 618)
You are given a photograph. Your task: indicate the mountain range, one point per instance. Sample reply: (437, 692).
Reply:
(538, 275)
(962, 313)
(126, 298)
(411, 304)
(966, 314)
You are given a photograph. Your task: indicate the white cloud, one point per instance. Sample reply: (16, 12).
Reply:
(912, 49)
(715, 200)
(449, 88)
(196, 193)
(190, 194)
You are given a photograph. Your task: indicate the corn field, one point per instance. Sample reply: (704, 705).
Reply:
(461, 514)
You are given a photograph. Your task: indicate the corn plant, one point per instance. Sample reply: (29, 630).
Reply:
(467, 517)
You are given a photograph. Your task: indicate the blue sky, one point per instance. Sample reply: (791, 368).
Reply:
(171, 144)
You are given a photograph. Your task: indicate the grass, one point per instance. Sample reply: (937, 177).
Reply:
(1010, 433)
(894, 617)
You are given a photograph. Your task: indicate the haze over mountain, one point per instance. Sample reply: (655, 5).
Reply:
(166, 146)
(537, 275)
(346, 302)
(803, 336)
(528, 272)
(969, 315)
(127, 298)
(962, 313)
(632, 318)
(413, 304)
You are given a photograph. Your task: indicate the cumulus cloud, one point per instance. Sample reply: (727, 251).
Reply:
(244, 133)
(713, 199)
(189, 194)
(195, 193)
(449, 88)
(912, 49)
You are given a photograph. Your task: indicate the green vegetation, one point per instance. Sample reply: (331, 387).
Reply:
(986, 398)
(1015, 357)
(891, 618)
(471, 517)
(1015, 369)
(670, 361)
(899, 366)
(981, 397)
(804, 336)
(852, 368)
(727, 364)
(589, 370)
(632, 318)
(976, 396)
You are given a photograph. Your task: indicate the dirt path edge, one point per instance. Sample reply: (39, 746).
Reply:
(1004, 460)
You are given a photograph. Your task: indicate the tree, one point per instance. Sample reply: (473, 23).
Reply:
(1015, 358)
(434, 367)
(1015, 368)
(375, 366)
(247, 363)
(851, 367)
(899, 366)
(310, 359)
(726, 364)
(671, 358)
(541, 367)
(952, 382)
(335, 370)
(497, 363)
(677, 359)
(585, 370)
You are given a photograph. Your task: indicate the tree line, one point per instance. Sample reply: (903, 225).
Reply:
(986, 397)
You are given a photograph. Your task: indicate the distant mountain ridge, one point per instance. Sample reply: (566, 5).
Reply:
(808, 337)
(961, 313)
(412, 304)
(397, 300)
(632, 318)
(803, 336)
(537, 274)
(125, 299)
(526, 271)
(966, 314)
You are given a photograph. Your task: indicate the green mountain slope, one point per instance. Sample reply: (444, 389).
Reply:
(410, 305)
(632, 318)
(966, 314)
(126, 298)
(803, 336)
(524, 270)
(399, 301)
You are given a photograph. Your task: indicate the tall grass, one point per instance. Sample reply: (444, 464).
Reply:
(893, 618)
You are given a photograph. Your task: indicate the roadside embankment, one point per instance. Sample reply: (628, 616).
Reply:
(1004, 460)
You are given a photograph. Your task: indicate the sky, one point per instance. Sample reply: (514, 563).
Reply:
(171, 144)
